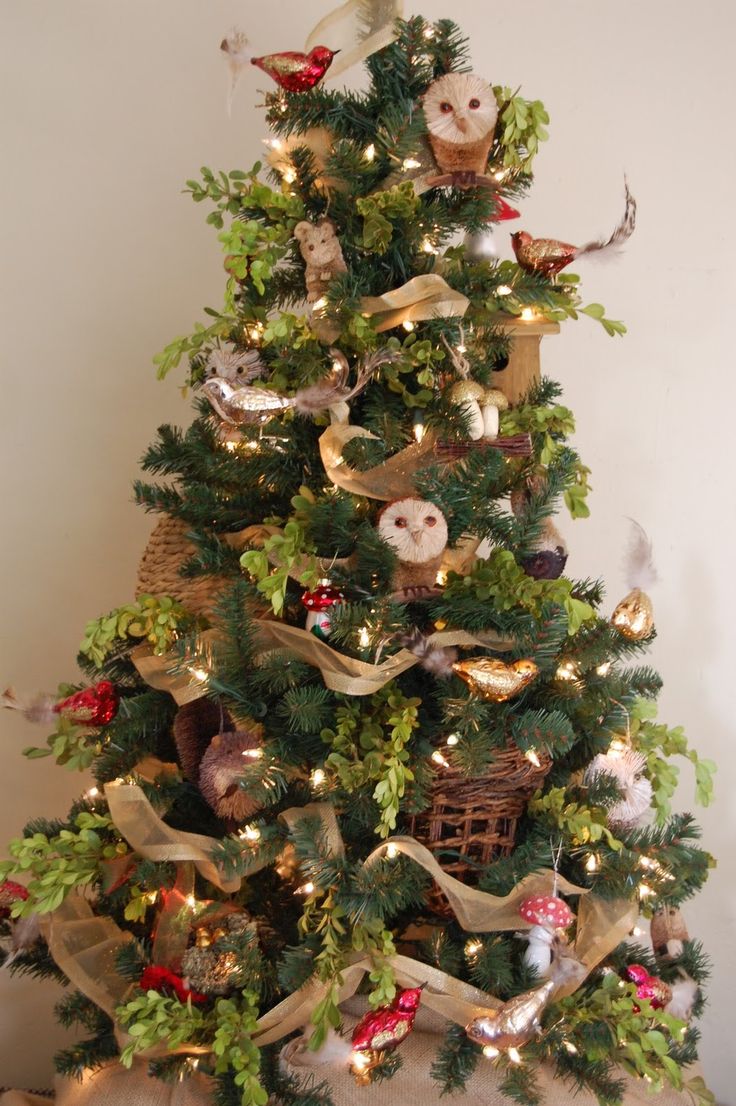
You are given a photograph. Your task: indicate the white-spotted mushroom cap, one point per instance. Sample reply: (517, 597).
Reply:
(546, 910)
(492, 397)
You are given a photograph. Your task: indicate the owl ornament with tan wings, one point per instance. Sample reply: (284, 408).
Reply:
(416, 530)
(461, 113)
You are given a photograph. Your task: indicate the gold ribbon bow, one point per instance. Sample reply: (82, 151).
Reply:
(357, 29)
(424, 297)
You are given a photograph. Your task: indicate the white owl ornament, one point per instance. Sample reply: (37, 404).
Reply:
(416, 530)
(461, 114)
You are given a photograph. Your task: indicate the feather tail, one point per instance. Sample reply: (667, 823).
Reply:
(238, 55)
(621, 234)
(640, 570)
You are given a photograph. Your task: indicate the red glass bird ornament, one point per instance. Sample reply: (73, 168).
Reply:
(294, 71)
(548, 256)
(385, 1028)
(94, 706)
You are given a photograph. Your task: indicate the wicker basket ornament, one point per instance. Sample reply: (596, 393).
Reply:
(159, 571)
(471, 822)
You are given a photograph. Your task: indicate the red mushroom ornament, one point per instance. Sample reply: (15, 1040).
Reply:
(318, 604)
(547, 913)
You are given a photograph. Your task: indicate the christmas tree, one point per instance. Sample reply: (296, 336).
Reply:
(358, 734)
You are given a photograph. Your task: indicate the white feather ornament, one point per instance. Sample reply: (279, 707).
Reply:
(238, 55)
(626, 767)
(639, 564)
(684, 996)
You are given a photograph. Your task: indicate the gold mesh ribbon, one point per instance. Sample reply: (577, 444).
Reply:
(393, 479)
(357, 29)
(163, 672)
(84, 946)
(423, 297)
(477, 911)
(137, 821)
(355, 677)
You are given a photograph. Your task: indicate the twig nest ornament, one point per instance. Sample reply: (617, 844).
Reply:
(627, 768)
(222, 770)
(634, 615)
(461, 113)
(213, 965)
(495, 680)
(416, 530)
(668, 932)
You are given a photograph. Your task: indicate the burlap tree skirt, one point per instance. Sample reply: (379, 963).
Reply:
(411, 1086)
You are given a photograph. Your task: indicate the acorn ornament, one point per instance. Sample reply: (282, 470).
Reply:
(514, 1024)
(319, 604)
(381, 1030)
(633, 617)
(495, 680)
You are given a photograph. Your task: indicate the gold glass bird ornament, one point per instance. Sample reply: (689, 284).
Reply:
(495, 680)
(515, 1023)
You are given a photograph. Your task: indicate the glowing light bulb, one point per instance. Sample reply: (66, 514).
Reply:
(370, 152)
(490, 1052)
(429, 32)
(514, 1055)
(453, 739)
(533, 758)
(604, 669)
(645, 891)
(253, 754)
(274, 143)
(567, 670)
(200, 674)
(392, 851)
(289, 175)
(527, 314)
(592, 864)
(428, 246)
(191, 902)
(441, 578)
(472, 948)
(410, 163)
(461, 347)
(500, 174)
(617, 748)
(231, 446)
(418, 430)
(318, 777)
(570, 1048)
(320, 304)
(408, 325)
(359, 1061)
(439, 759)
(637, 931)
(364, 637)
(503, 290)
(305, 889)
(250, 833)
(92, 793)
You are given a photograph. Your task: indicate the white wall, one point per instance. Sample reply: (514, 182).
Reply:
(108, 106)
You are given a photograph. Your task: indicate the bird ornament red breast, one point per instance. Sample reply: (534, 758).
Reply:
(295, 71)
(386, 1027)
(549, 256)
